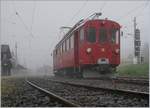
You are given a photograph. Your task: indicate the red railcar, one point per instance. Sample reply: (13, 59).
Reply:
(90, 45)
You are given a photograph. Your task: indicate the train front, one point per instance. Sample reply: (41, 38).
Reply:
(100, 48)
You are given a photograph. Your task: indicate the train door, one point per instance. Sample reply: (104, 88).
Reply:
(103, 40)
(76, 46)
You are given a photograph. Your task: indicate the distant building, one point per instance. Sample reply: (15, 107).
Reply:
(6, 63)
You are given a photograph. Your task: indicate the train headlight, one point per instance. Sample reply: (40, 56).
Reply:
(89, 50)
(117, 51)
(103, 50)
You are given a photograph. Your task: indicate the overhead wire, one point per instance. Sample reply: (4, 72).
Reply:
(138, 14)
(79, 10)
(102, 7)
(104, 4)
(20, 18)
(33, 15)
(131, 11)
(24, 25)
(144, 7)
(32, 20)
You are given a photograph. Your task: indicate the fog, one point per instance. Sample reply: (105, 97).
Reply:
(35, 25)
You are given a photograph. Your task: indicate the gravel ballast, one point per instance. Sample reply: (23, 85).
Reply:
(86, 97)
(15, 92)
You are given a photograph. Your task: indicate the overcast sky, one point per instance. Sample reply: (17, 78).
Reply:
(36, 27)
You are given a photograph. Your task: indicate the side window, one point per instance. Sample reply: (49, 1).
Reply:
(59, 50)
(72, 41)
(91, 35)
(62, 47)
(56, 51)
(67, 44)
(82, 34)
(102, 35)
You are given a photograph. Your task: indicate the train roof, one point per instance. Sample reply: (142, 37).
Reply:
(80, 24)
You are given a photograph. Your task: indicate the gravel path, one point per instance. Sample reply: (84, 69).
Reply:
(85, 97)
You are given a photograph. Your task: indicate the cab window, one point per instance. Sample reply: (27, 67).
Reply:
(102, 35)
(91, 35)
(114, 36)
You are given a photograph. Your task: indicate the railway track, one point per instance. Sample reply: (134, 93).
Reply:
(133, 80)
(86, 95)
(112, 83)
(126, 92)
(55, 97)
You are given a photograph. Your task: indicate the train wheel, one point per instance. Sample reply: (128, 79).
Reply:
(80, 73)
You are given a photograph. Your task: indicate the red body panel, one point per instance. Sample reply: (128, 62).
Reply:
(64, 60)
(78, 56)
(97, 53)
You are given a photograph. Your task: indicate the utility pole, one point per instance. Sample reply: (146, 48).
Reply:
(137, 43)
(16, 53)
(25, 65)
(134, 57)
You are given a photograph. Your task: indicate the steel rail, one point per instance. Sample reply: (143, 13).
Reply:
(123, 80)
(132, 80)
(125, 92)
(54, 96)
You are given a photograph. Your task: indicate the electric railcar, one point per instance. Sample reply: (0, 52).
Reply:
(92, 45)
